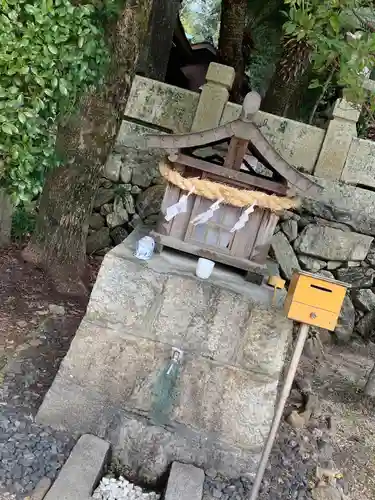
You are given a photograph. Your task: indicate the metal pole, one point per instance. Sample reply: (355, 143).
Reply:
(302, 336)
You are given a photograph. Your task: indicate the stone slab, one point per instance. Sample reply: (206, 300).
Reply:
(343, 203)
(284, 255)
(141, 445)
(130, 374)
(165, 106)
(298, 143)
(360, 163)
(185, 482)
(329, 243)
(82, 470)
(173, 109)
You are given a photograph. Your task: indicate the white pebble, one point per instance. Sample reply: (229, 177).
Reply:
(121, 489)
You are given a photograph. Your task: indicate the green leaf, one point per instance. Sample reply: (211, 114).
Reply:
(21, 117)
(7, 129)
(52, 49)
(62, 87)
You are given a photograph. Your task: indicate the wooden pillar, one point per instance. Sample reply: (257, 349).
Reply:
(154, 59)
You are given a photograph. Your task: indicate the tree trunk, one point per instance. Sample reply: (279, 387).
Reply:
(370, 384)
(231, 40)
(84, 142)
(288, 76)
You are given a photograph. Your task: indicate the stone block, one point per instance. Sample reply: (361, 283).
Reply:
(358, 277)
(131, 374)
(185, 482)
(258, 348)
(149, 202)
(112, 168)
(198, 316)
(162, 105)
(98, 240)
(311, 264)
(82, 470)
(346, 111)
(220, 74)
(125, 292)
(343, 203)
(284, 255)
(364, 299)
(298, 143)
(290, 229)
(345, 325)
(332, 244)
(360, 167)
(337, 142)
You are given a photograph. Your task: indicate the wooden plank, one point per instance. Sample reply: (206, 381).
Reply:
(236, 153)
(171, 196)
(181, 221)
(207, 253)
(245, 180)
(263, 241)
(245, 238)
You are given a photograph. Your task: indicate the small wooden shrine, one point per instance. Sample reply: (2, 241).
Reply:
(212, 167)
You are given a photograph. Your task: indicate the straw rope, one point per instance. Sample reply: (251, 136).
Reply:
(230, 195)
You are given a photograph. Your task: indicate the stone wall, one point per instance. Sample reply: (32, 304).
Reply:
(333, 235)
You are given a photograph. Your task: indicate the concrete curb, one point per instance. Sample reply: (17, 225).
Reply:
(82, 471)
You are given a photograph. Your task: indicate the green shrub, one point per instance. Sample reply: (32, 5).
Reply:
(23, 222)
(50, 50)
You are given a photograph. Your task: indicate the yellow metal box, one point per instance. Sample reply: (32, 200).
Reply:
(315, 300)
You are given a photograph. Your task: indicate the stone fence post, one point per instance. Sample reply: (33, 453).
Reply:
(214, 97)
(6, 212)
(340, 132)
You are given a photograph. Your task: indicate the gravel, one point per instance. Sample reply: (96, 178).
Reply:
(290, 473)
(28, 452)
(121, 489)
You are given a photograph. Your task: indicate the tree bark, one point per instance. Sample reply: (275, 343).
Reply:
(84, 141)
(370, 384)
(231, 41)
(288, 76)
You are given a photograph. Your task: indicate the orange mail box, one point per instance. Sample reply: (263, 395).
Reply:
(315, 300)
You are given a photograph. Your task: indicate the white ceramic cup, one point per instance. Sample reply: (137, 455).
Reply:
(204, 268)
(145, 248)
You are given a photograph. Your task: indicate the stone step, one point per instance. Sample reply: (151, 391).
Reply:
(82, 471)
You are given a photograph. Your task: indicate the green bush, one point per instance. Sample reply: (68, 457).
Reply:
(23, 222)
(50, 50)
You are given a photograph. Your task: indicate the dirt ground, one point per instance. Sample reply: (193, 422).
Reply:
(339, 383)
(37, 326)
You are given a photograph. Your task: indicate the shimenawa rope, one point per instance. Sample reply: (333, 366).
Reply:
(230, 195)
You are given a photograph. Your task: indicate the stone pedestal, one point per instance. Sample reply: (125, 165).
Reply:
(118, 381)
